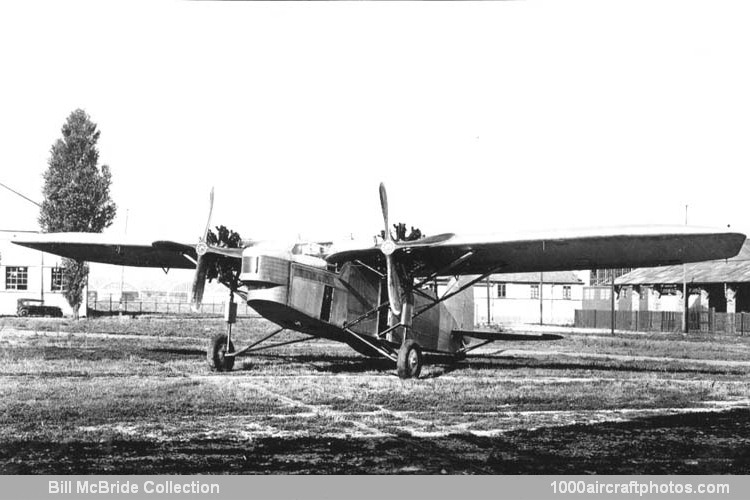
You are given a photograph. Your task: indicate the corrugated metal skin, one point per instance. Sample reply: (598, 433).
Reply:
(734, 270)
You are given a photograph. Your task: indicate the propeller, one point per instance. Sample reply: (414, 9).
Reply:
(201, 263)
(388, 247)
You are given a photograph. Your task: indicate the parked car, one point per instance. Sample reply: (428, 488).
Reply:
(36, 307)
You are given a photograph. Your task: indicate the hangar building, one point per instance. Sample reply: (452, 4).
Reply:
(517, 297)
(722, 285)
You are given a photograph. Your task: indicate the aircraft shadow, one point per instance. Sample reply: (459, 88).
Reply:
(180, 352)
(326, 363)
(331, 363)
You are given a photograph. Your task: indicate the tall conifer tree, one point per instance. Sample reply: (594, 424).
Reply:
(76, 194)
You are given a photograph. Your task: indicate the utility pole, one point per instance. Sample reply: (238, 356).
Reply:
(122, 272)
(612, 301)
(541, 298)
(489, 307)
(685, 308)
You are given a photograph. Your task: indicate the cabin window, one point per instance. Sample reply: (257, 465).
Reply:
(57, 279)
(534, 291)
(566, 292)
(501, 290)
(16, 278)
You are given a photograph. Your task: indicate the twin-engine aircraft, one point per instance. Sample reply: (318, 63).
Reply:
(381, 298)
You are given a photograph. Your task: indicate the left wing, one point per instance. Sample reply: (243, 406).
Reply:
(95, 247)
(599, 248)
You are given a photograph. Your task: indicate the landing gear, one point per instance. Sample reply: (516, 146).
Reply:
(217, 349)
(409, 362)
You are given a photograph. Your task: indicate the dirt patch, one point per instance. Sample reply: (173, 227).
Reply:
(701, 443)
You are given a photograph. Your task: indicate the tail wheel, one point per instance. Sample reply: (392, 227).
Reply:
(409, 362)
(216, 354)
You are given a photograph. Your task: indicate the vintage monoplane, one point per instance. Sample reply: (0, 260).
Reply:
(381, 297)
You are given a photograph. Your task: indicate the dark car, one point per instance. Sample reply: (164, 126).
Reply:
(36, 307)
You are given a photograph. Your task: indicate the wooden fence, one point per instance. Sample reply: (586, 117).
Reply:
(666, 321)
(110, 307)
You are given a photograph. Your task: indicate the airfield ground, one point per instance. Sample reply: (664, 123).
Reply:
(136, 396)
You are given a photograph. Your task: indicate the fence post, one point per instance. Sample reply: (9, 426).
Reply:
(742, 324)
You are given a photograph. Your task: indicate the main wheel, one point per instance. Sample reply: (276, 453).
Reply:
(217, 349)
(409, 362)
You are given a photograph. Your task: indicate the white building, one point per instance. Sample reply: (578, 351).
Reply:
(527, 297)
(29, 274)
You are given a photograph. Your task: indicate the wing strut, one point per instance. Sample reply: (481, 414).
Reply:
(374, 345)
(270, 335)
(370, 268)
(446, 269)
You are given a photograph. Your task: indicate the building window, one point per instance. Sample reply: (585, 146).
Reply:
(534, 291)
(566, 292)
(501, 290)
(57, 279)
(16, 278)
(604, 293)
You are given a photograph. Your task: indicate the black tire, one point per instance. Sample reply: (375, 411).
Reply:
(409, 362)
(23, 312)
(215, 354)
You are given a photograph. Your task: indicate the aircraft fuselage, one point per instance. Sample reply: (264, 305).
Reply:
(301, 294)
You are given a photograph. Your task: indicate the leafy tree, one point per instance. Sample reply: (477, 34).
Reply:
(76, 194)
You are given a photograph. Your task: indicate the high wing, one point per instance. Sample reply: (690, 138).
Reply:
(94, 247)
(599, 248)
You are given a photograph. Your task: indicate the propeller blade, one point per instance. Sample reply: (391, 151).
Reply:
(201, 263)
(210, 212)
(388, 247)
(199, 283)
(384, 208)
(394, 286)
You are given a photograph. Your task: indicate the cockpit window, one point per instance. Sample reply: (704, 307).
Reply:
(310, 248)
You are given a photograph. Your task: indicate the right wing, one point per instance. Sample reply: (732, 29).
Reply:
(597, 248)
(121, 251)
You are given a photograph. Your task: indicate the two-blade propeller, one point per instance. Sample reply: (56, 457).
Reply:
(391, 250)
(388, 247)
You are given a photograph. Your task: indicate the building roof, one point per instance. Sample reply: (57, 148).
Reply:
(555, 277)
(734, 270)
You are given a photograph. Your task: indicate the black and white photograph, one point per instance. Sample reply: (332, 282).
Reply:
(375, 238)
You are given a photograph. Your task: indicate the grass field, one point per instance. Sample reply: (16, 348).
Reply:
(136, 396)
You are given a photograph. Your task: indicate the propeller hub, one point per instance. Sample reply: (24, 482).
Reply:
(201, 248)
(388, 247)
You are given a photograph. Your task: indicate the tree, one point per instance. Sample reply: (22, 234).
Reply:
(76, 194)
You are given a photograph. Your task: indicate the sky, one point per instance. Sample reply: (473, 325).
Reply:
(479, 117)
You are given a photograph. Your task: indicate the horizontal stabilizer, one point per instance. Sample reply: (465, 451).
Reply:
(504, 336)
